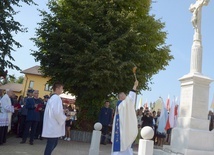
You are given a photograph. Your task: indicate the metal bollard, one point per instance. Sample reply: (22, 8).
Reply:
(146, 145)
(95, 141)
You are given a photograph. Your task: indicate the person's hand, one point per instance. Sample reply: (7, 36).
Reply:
(36, 105)
(135, 85)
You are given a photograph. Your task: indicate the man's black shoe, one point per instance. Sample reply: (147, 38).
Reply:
(103, 143)
(31, 143)
(22, 142)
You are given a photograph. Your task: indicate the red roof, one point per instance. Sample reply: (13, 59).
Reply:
(13, 86)
(33, 70)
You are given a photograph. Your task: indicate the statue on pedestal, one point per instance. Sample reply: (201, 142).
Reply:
(196, 13)
(196, 54)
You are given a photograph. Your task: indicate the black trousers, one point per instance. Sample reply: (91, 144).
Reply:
(22, 125)
(29, 125)
(50, 146)
(39, 130)
(3, 134)
(104, 133)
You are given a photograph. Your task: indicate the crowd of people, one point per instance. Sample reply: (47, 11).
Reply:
(33, 117)
(145, 117)
(23, 116)
(151, 118)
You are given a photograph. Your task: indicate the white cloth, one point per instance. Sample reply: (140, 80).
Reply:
(6, 111)
(54, 118)
(128, 125)
(172, 115)
(162, 119)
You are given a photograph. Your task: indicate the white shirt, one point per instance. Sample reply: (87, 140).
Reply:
(6, 111)
(54, 118)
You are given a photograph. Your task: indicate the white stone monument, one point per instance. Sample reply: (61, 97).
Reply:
(95, 140)
(192, 135)
(146, 144)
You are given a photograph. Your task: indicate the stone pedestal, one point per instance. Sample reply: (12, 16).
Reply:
(95, 141)
(192, 135)
(145, 147)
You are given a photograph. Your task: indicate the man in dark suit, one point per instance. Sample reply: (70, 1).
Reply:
(105, 118)
(32, 118)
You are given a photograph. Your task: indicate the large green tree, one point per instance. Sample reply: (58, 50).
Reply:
(9, 27)
(92, 46)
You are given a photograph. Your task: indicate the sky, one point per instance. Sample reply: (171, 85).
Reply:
(176, 16)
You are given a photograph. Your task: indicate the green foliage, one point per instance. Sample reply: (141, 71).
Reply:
(20, 80)
(92, 46)
(12, 79)
(8, 26)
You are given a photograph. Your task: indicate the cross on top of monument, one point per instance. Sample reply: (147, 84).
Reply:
(196, 13)
(196, 53)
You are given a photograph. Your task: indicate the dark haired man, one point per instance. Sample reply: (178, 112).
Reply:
(147, 119)
(54, 119)
(23, 113)
(105, 118)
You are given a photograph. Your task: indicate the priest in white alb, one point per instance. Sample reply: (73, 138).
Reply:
(125, 130)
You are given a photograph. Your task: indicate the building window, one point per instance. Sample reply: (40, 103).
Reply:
(31, 84)
(48, 87)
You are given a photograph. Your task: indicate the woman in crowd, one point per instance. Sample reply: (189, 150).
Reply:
(70, 112)
(161, 133)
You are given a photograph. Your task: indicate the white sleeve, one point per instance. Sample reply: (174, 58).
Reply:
(58, 112)
(132, 95)
(6, 105)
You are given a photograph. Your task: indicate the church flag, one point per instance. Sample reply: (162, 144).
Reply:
(172, 115)
(140, 103)
(168, 103)
(146, 104)
(163, 118)
(176, 111)
(167, 124)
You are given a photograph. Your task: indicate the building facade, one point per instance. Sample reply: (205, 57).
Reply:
(35, 80)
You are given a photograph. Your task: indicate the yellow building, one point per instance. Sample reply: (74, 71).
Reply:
(35, 80)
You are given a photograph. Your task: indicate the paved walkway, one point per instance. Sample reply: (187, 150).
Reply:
(13, 147)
